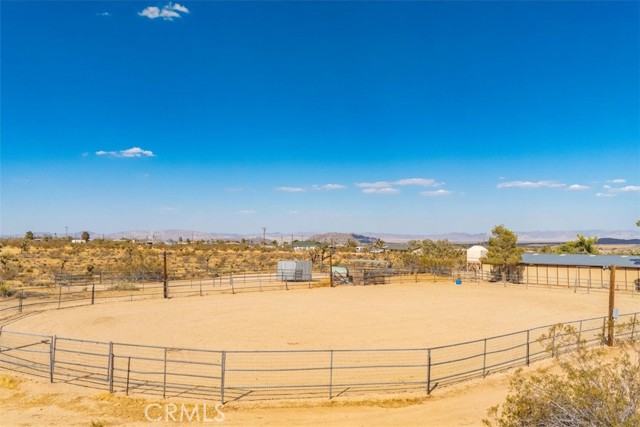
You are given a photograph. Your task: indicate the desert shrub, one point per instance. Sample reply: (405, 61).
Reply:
(6, 290)
(593, 387)
(124, 287)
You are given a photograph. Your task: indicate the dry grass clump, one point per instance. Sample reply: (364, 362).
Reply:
(9, 383)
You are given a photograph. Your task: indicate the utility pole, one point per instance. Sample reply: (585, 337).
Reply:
(264, 235)
(330, 269)
(331, 264)
(612, 293)
(165, 277)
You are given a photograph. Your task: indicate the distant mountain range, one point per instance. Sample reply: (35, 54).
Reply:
(605, 237)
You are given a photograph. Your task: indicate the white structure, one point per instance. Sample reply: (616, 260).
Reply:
(294, 271)
(474, 254)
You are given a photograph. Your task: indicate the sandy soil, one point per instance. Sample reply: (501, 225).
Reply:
(37, 404)
(392, 316)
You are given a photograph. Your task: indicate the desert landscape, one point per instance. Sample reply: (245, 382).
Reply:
(394, 316)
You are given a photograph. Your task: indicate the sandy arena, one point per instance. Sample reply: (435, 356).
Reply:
(391, 316)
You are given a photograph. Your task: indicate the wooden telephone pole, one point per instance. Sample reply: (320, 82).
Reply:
(164, 276)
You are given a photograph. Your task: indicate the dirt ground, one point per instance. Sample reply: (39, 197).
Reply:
(391, 316)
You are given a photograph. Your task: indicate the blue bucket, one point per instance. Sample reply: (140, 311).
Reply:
(458, 281)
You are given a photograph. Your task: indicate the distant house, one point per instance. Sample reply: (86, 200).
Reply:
(306, 245)
(396, 247)
(78, 241)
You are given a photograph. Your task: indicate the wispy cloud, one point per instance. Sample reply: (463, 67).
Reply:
(436, 193)
(578, 187)
(128, 153)
(328, 187)
(531, 184)
(628, 188)
(380, 190)
(103, 14)
(378, 187)
(377, 184)
(422, 182)
(391, 187)
(290, 189)
(167, 12)
(609, 191)
(617, 181)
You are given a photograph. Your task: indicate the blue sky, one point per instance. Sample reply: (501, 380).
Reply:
(402, 117)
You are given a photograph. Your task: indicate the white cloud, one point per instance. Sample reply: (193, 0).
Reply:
(531, 184)
(179, 8)
(628, 188)
(378, 184)
(617, 181)
(610, 191)
(380, 190)
(329, 187)
(290, 189)
(423, 182)
(167, 13)
(129, 153)
(436, 193)
(578, 187)
(103, 14)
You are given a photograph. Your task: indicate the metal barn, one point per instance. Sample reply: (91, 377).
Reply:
(294, 271)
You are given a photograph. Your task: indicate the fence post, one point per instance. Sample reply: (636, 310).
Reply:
(330, 374)
(604, 330)
(93, 293)
(580, 332)
(128, 371)
(52, 357)
(484, 359)
(111, 366)
(528, 348)
(164, 375)
(223, 363)
(20, 298)
(109, 352)
(633, 326)
(233, 291)
(59, 296)
(428, 372)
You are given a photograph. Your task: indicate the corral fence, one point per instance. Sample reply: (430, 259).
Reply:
(584, 278)
(74, 290)
(73, 293)
(226, 375)
(78, 289)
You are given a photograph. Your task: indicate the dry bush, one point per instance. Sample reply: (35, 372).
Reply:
(598, 387)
